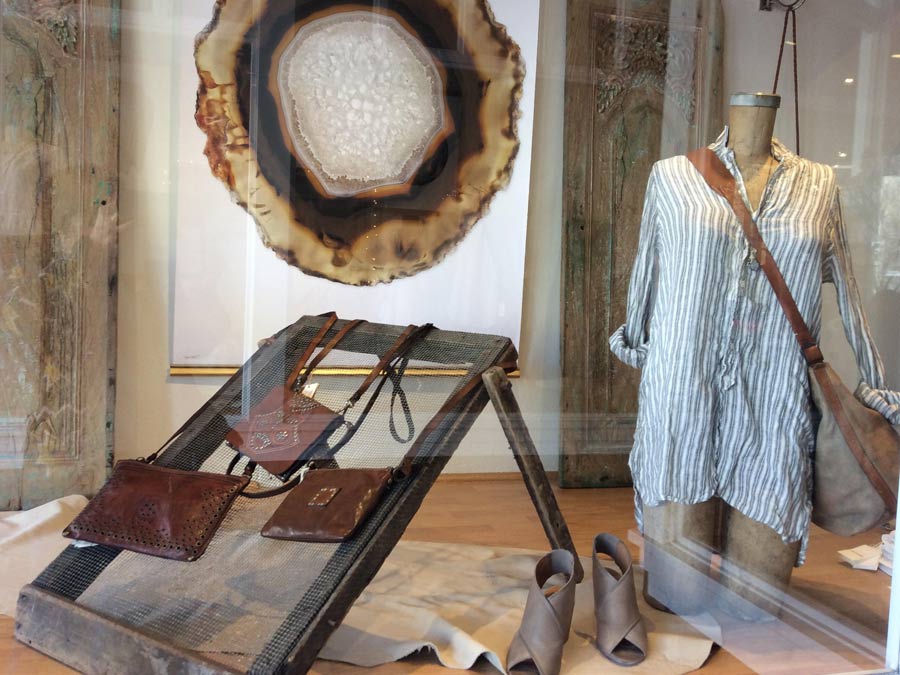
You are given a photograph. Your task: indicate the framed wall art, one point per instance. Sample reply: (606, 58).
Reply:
(368, 158)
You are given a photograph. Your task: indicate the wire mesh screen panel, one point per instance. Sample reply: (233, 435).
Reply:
(265, 605)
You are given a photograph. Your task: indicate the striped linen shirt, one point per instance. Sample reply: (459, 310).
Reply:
(724, 402)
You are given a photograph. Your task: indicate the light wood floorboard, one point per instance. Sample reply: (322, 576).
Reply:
(838, 625)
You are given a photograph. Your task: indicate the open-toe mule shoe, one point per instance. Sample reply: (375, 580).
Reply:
(548, 616)
(621, 636)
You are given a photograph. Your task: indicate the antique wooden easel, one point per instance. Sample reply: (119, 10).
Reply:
(51, 619)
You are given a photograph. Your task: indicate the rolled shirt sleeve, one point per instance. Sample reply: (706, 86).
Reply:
(631, 341)
(884, 401)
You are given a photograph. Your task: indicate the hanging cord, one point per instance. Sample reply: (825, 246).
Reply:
(396, 375)
(790, 13)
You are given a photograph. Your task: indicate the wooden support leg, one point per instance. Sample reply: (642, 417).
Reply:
(500, 390)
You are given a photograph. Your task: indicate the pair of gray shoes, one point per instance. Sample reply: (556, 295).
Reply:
(620, 634)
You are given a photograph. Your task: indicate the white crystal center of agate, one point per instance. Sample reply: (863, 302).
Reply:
(362, 99)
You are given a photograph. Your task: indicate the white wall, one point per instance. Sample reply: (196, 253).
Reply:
(150, 405)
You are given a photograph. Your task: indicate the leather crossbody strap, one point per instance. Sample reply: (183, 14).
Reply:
(406, 465)
(719, 178)
(293, 378)
(721, 181)
(404, 343)
(389, 364)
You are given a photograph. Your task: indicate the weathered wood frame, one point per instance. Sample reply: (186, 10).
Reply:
(526, 455)
(608, 151)
(67, 631)
(59, 67)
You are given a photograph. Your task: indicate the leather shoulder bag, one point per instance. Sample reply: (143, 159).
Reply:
(157, 510)
(330, 505)
(287, 427)
(857, 459)
(171, 513)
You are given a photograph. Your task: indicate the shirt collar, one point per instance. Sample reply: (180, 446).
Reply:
(779, 150)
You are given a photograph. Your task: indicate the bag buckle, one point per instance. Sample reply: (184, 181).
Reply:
(305, 469)
(753, 259)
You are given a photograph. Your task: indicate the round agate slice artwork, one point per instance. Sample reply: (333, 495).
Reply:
(365, 140)
(367, 100)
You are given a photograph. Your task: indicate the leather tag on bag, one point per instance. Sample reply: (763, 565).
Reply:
(329, 505)
(156, 510)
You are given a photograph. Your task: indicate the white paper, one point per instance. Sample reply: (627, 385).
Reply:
(863, 557)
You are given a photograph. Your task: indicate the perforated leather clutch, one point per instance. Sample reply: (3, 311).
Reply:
(156, 510)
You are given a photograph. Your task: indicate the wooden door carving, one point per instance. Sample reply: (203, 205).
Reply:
(643, 82)
(59, 61)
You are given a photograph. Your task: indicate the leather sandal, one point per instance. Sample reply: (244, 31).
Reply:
(621, 635)
(548, 616)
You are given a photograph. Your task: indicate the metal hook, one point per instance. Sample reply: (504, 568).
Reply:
(768, 5)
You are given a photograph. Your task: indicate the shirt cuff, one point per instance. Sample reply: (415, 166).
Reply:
(884, 401)
(633, 356)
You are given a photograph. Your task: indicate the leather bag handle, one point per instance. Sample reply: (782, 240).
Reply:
(398, 351)
(404, 343)
(303, 373)
(406, 465)
(719, 178)
(331, 319)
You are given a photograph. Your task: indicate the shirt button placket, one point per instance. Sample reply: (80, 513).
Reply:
(727, 378)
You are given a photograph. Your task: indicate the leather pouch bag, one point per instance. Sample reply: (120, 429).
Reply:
(856, 466)
(157, 510)
(287, 428)
(281, 428)
(857, 460)
(329, 505)
(287, 424)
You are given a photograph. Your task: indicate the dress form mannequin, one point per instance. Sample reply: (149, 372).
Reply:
(681, 540)
(750, 130)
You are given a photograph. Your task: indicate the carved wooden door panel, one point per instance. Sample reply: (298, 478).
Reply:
(59, 61)
(643, 82)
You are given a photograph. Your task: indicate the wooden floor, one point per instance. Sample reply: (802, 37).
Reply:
(836, 620)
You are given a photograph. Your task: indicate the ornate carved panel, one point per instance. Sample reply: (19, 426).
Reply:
(59, 61)
(643, 82)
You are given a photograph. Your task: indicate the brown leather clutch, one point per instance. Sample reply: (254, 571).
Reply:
(329, 505)
(282, 427)
(157, 510)
(287, 428)
(287, 425)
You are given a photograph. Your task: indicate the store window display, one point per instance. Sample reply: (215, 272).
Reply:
(726, 426)
(565, 202)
